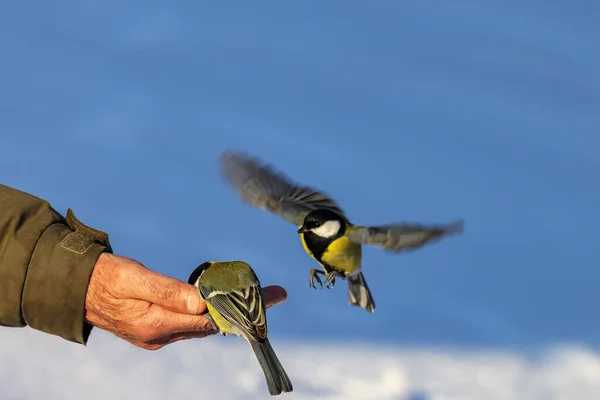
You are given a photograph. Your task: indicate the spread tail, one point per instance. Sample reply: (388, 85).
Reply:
(277, 379)
(359, 293)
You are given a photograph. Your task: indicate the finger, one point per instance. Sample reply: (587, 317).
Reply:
(169, 293)
(180, 336)
(162, 342)
(164, 326)
(274, 295)
(142, 345)
(162, 323)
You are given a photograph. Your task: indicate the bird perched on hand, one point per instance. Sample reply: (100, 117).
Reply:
(326, 233)
(235, 305)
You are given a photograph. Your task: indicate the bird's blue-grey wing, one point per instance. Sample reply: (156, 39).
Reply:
(402, 236)
(262, 186)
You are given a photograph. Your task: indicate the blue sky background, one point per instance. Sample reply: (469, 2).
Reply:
(417, 110)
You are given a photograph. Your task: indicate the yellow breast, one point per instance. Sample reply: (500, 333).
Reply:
(306, 247)
(344, 255)
(223, 324)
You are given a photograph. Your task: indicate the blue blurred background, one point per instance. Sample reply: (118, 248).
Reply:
(421, 111)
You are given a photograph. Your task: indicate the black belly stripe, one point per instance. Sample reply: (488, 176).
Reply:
(316, 244)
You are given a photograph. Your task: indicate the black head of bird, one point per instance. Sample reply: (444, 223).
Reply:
(323, 223)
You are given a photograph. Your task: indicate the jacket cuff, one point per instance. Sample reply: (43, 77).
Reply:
(23, 219)
(57, 280)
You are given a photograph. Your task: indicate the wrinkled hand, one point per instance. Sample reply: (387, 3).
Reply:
(146, 308)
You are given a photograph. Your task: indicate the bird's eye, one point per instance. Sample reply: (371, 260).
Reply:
(317, 224)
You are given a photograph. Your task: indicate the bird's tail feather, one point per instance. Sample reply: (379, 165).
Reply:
(359, 293)
(277, 379)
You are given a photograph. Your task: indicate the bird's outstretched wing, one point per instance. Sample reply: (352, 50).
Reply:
(244, 308)
(403, 236)
(263, 187)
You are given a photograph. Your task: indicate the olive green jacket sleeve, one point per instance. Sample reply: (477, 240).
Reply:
(46, 262)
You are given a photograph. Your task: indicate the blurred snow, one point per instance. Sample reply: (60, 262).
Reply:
(38, 366)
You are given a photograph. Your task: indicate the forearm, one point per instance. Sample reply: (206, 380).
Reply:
(45, 265)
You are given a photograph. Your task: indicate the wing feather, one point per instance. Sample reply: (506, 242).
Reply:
(262, 186)
(402, 236)
(245, 309)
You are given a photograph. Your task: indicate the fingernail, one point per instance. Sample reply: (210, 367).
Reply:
(193, 304)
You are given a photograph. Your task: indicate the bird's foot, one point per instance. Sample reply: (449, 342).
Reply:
(330, 279)
(313, 276)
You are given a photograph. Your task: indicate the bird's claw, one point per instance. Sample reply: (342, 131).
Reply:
(312, 281)
(330, 280)
(312, 276)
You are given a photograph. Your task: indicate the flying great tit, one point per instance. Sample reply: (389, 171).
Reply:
(235, 305)
(326, 234)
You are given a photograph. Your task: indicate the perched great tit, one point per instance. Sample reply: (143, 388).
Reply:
(326, 234)
(235, 304)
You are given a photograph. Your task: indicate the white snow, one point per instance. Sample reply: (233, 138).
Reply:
(34, 365)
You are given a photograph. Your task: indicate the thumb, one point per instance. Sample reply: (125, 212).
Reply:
(169, 293)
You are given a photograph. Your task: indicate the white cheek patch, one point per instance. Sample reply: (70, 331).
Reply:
(328, 229)
(197, 283)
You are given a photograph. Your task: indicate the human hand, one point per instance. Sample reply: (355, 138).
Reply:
(148, 309)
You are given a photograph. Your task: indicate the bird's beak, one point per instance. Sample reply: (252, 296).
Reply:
(302, 229)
